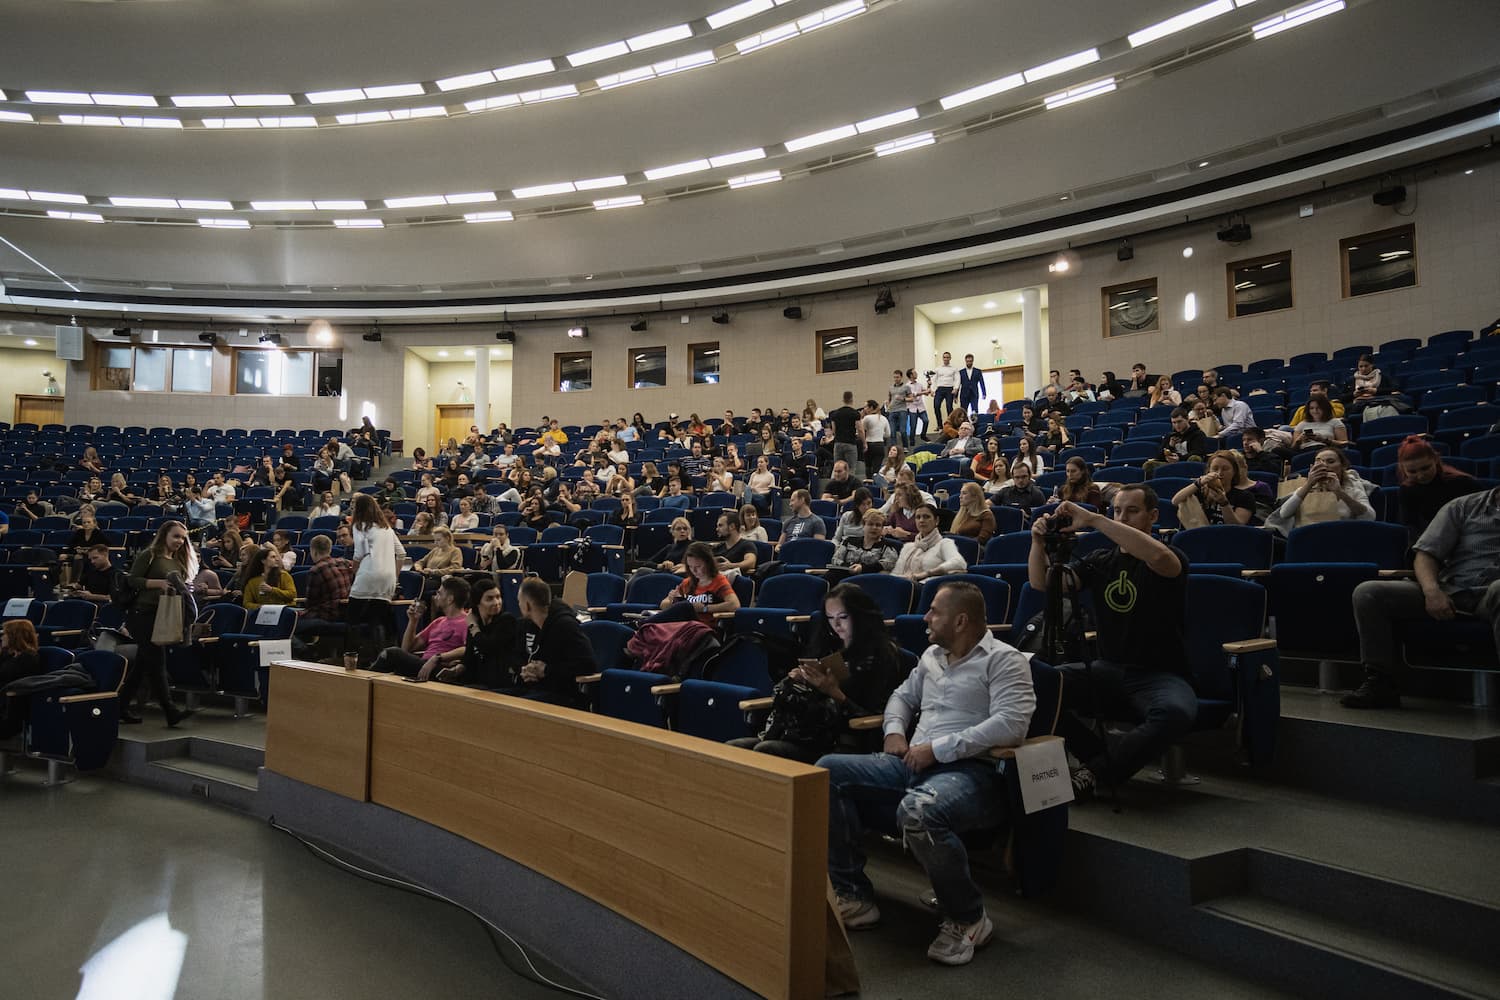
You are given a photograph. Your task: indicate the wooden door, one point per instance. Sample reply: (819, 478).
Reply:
(38, 410)
(452, 421)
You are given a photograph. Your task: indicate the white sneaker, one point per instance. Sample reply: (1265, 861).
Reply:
(857, 914)
(956, 943)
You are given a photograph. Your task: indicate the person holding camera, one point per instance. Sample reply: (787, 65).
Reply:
(1141, 674)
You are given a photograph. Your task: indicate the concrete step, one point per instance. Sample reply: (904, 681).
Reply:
(1319, 955)
(218, 783)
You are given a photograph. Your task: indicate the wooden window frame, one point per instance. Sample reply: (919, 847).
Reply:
(234, 372)
(630, 367)
(820, 341)
(557, 359)
(1229, 282)
(1409, 228)
(693, 352)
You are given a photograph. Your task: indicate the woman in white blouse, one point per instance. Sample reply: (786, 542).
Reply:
(929, 553)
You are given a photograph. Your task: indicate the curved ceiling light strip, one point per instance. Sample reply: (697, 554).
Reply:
(916, 140)
(558, 65)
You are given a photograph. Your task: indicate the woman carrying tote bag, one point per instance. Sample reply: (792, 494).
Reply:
(157, 576)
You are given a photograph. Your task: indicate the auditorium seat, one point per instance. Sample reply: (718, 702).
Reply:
(1348, 542)
(892, 594)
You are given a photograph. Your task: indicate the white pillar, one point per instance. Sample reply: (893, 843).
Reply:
(482, 389)
(1031, 339)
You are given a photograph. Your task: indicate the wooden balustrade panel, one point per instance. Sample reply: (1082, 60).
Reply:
(720, 851)
(320, 731)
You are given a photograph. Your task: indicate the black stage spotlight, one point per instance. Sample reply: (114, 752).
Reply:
(122, 331)
(271, 338)
(1239, 232)
(792, 312)
(1393, 195)
(1126, 252)
(209, 337)
(884, 300)
(506, 336)
(372, 337)
(639, 326)
(721, 318)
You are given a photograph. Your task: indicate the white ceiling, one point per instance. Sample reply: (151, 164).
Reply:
(977, 306)
(1238, 106)
(460, 354)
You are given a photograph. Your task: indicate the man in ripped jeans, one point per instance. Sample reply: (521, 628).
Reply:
(974, 692)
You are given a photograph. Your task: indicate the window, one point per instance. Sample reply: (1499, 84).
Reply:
(114, 368)
(1130, 308)
(1261, 285)
(573, 371)
(648, 367)
(1379, 262)
(192, 370)
(704, 362)
(273, 373)
(838, 350)
(151, 369)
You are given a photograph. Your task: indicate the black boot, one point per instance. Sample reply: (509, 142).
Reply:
(1378, 691)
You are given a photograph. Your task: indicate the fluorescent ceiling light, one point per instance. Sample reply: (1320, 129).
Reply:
(691, 61)
(74, 216)
(597, 53)
(359, 223)
(125, 100)
(548, 94)
(143, 202)
(57, 198)
(203, 101)
(231, 123)
(1297, 17)
(109, 120)
(401, 114)
(1062, 65)
(595, 183)
(1181, 22)
(16, 116)
(902, 145)
(341, 205)
(363, 117)
(751, 180)
(488, 217)
(130, 121)
(625, 77)
(629, 201)
(471, 198)
(660, 36)
(335, 96)
(543, 190)
(819, 138)
(13, 194)
(395, 90)
(886, 121)
(491, 103)
(743, 156)
(419, 201)
(676, 169)
(770, 36)
(283, 206)
(57, 97)
(465, 81)
(982, 91)
(1082, 93)
(738, 12)
(294, 121)
(520, 70)
(224, 223)
(205, 205)
(830, 15)
(262, 100)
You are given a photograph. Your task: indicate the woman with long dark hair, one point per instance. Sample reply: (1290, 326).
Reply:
(160, 570)
(812, 705)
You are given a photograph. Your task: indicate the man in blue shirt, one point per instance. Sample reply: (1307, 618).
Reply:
(974, 692)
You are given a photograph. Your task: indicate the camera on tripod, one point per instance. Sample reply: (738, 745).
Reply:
(929, 373)
(1057, 540)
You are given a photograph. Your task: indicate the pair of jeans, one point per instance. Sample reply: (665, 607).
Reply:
(1162, 705)
(778, 748)
(1380, 606)
(930, 810)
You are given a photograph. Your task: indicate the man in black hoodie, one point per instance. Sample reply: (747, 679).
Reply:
(556, 648)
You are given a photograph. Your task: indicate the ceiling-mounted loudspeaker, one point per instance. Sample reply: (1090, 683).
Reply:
(1126, 252)
(792, 312)
(1237, 233)
(639, 326)
(122, 331)
(69, 343)
(721, 318)
(884, 300)
(1393, 195)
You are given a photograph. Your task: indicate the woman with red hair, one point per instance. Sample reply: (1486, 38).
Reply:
(1426, 484)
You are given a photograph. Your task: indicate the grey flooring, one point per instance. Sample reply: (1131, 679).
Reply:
(254, 915)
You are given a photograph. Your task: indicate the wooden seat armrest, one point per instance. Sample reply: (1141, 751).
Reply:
(1009, 753)
(796, 619)
(665, 689)
(1397, 574)
(756, 704)
(722, 616)
(207, 640)
(616, 548)
(596, 611)
(589, 678)
(67, 631)
(1249, 646)
(69, 699)
(1090, 635)
(1001, 628)
(817, 571)
(864, 723)
(1254, 574)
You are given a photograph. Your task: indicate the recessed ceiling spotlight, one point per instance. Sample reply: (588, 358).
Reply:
(957, 310)
(1059, 266)
(442, 354)
(469, 353)
(1187, 251)
(1468, 172)
(1020, 300)
(29, 342)
(1202, 163)
(991, 304)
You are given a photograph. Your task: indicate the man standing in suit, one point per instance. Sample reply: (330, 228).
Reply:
(970, 386)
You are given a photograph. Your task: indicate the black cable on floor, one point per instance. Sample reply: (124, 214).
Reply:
(489, 928)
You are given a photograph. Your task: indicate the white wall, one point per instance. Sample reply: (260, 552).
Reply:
(974, 336)
(443, 378)
(416, 423)
(21, 374)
